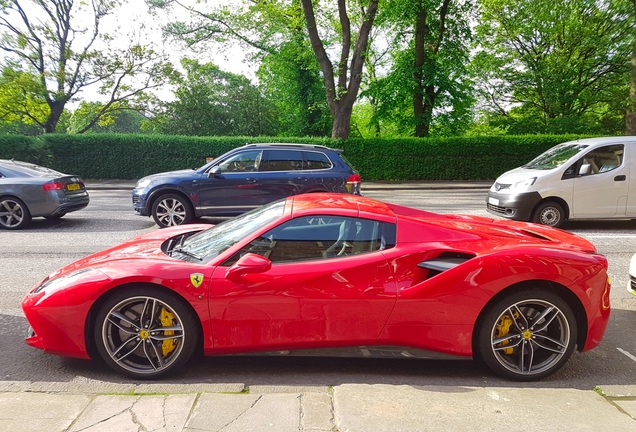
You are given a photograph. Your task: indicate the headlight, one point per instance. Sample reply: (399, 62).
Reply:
(55, 283)
(142, 184)
(524, 184)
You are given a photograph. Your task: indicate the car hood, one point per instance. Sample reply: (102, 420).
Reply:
(520, 174)
(142, 248)
(170, 174)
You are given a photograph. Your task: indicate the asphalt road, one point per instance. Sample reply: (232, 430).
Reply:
(28, 256)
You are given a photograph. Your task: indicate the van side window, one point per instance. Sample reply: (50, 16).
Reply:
(603, 159)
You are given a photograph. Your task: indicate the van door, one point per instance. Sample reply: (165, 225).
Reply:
(602, 192)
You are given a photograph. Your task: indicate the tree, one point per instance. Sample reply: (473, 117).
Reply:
(343, 93)
(428, 86)
(559, 62)
(272, 32)
(630, 118)
(56, 41)
(210, 101)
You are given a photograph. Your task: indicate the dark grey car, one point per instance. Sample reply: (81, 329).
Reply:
(28, 190)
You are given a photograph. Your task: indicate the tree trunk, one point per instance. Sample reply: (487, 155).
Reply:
(57, 109)
(630, 117)
(421, 126)
(341, 96)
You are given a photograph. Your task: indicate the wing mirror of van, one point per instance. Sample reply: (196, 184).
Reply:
(586, 169)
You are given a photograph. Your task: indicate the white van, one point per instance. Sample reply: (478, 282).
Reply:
(592, 178)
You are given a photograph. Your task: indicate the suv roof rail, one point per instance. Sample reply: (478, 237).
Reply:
(317, 146)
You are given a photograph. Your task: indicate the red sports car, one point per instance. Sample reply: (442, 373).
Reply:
(330, 274)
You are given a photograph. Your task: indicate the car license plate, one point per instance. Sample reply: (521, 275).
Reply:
(493, 201)
(73, 186)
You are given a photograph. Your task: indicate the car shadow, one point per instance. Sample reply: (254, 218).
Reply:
(605, 365)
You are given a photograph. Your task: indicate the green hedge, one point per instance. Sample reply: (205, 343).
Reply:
(112, 156)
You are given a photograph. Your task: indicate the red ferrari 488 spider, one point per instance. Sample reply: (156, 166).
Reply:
(330, 274)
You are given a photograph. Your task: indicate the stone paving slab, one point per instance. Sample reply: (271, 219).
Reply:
(35, 412)
(383, 408)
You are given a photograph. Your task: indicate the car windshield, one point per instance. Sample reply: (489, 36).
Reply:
(205, 245)
(555, 157)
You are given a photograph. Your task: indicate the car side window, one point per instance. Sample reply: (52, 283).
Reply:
(246, 161)
(320, 237)
(281, 160)
(315, 160)
(603, 159)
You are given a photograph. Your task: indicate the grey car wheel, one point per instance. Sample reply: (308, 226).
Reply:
(527, 335)
(14, 214)
(144, 332)
(171, 210)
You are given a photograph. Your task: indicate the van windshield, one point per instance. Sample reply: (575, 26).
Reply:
(555, 157)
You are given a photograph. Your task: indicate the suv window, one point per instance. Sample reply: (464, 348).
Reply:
(281, 160)
(315, 160)
(244, 161)
(314, 237)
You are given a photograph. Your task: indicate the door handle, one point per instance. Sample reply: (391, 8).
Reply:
(620, 178)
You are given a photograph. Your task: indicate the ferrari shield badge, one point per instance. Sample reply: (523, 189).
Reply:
(196, 279)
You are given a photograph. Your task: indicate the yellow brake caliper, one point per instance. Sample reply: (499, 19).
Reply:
(503, 329)
(167, 319)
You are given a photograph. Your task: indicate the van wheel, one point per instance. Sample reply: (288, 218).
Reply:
(549, 213)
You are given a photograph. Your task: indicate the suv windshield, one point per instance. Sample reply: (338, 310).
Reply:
(555, 157)
(205, 245)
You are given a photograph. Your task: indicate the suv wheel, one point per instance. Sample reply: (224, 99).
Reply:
(171, 210)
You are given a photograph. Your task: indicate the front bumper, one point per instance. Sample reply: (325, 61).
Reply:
(513, 206)
(139, 201)
(631, 284)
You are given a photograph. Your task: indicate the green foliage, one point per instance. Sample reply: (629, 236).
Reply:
(554, 66)
(210, 101)
(24, 148)
(432, 73)
(113, 156)
(291, 79)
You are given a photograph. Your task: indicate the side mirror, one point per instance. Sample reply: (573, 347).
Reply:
(249, 263)
(214, 171)
(586, 169)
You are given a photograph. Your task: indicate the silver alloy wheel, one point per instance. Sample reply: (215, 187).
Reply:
(170, 211)
(530, 337)
(143, 335)
(13, 214)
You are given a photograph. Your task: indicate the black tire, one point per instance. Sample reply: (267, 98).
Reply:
(171, 210)
(549, 213)
(14, 214)
(527, 335)
(131, 327)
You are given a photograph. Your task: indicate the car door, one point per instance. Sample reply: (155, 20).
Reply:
(603, 192)
(281, 173)
(234, 188)
(329, 285)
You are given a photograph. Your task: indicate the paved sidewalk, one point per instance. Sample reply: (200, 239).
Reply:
(107, 407)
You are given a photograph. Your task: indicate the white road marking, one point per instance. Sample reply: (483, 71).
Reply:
(633, 357)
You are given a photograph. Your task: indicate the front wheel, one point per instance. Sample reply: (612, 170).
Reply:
(550, 214)
(145, 333)
(171, 210)
(527, 335)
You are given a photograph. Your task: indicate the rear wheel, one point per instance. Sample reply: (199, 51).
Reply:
(527, 335)
(171, 210)
(14, 214)
(549, 213)
(145, 332)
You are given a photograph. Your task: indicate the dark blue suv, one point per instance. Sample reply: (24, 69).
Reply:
(243, 179)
